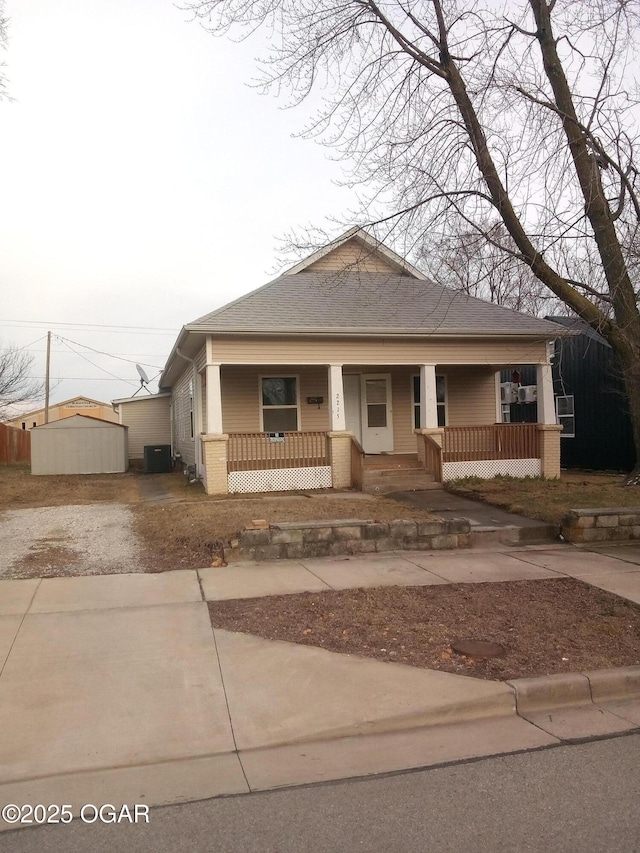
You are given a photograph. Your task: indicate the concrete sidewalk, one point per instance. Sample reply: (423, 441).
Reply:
(115, 688)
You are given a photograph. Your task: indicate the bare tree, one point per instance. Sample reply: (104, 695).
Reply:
(464, 259)
(16, 383)
(4, 26)
(524, 111)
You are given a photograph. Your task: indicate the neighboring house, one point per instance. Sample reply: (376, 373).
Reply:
(65, 409)
(591, 402)
(351, 350)
(148, 418)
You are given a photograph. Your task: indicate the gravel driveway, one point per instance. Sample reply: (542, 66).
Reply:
(90, 539)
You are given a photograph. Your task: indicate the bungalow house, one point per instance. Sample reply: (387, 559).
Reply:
(350, 353)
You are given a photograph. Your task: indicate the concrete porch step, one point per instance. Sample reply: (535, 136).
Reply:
(398, 481)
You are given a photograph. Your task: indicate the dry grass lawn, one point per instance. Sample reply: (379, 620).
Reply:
(550, 500)
(185, 532)
(190, 532)
(18, 489)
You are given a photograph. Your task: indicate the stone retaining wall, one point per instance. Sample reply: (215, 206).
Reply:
(297, 539)
(602, 525)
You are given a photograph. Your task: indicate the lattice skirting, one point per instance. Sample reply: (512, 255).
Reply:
(280, 479)
(488, 468)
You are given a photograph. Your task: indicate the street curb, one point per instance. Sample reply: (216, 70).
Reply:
(514, 535)
(573, 689)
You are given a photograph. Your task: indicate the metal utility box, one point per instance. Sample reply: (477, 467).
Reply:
(157, 458)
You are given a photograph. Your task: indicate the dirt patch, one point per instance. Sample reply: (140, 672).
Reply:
(189, 534)
(46, 560)
(545, 626)
(68, 540)
(550, 500)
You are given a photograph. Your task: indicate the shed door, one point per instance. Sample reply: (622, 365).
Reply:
(377, 415)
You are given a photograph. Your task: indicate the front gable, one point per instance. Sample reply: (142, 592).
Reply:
(356, 251)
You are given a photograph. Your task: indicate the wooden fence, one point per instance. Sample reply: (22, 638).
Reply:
(261, 451)
(15, 445)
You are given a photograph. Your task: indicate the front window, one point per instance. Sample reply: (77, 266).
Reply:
(566, 416)
(441, 399)
(279, 403)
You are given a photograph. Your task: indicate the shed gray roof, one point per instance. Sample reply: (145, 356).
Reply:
(579, 326)
(358, 303)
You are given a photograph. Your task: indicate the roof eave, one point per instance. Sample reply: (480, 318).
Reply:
(386, 333)
(183, 336)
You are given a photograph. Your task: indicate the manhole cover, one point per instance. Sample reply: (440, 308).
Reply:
(478, 649)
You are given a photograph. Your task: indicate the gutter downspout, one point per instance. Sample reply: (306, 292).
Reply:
(197, 413)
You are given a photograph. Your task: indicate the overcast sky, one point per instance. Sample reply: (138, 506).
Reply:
(144, 183)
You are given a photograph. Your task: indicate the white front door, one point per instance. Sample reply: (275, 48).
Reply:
(377, 415)
(351, 384)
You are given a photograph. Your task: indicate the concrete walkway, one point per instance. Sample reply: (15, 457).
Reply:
(116, 689)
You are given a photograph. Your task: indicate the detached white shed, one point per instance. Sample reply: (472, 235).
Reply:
(79, 445)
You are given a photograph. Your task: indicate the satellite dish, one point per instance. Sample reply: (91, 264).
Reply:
(144, 379)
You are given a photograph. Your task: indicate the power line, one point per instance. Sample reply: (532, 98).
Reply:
(87, 379)
(101, 352)
(93, 364)
(90, 326)
(26, 346)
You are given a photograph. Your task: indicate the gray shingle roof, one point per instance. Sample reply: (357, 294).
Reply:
(356, 302)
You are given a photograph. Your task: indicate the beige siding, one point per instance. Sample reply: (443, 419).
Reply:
(471, 397)
(377, 351)
(404, 440)
(182, 403)
(201, 359)
(241, 398)
(352, 255)
(149, 422)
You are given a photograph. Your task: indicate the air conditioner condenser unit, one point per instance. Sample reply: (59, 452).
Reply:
(508, 392)
(527, 393)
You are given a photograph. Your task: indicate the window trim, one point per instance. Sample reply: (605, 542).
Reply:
(559, 418)
(295, 376)
(444, 405)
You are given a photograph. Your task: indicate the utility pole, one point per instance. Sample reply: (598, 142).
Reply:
(46, 380)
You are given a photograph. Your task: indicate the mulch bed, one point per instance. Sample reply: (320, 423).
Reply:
(544, 626)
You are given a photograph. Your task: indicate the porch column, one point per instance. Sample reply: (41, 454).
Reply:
(428, 397)
(214, 400)
(498, 398)
(338, 421)
(546, 405)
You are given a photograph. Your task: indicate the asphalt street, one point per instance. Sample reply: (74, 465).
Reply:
(579, 797)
